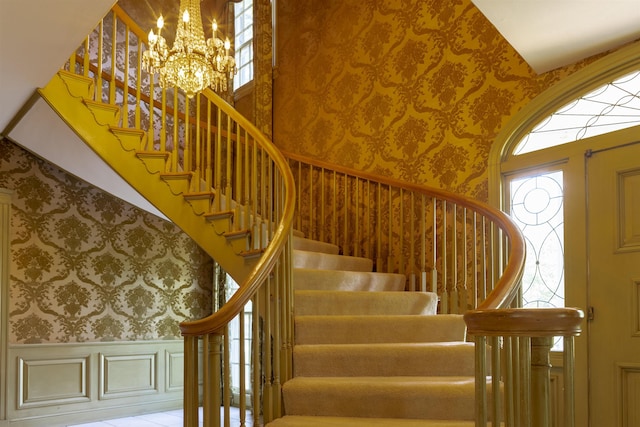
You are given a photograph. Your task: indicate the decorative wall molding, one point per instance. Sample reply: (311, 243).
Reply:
(126, 375)
(61, 384)
(52, 381)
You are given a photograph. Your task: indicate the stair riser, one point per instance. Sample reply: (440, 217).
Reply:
(378, 329)
(328, 280)
(322, 261)
(364, 303)
(303, 244)
(387, 400)
(383, 360)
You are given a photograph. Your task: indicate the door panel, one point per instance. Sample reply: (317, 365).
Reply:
(613, 230)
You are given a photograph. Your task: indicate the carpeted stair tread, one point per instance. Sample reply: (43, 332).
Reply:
(304, 244)
(438, 398)
(403, 359)
(379, 329)
(305, 421)
(322, 261)
(367, 353)
(340, 280)
(363, 302)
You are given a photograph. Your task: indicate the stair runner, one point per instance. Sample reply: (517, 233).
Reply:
(367, 353)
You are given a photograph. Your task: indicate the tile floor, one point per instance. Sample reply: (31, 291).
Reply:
(162, 419)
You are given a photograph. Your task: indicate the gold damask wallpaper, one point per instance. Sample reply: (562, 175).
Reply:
(86, 266)
(412, 89)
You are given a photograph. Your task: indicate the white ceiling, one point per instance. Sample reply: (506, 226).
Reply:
(552, 33)
(36, 38)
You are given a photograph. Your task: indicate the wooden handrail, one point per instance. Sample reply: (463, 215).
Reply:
(214, 323)
(506, 287)
(214, 160)
(525, 322)
(521, 341)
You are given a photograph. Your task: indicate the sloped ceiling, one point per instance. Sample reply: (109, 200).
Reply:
(552, 33)
(36, 38)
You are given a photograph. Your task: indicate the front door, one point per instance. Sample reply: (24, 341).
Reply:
(613, 250)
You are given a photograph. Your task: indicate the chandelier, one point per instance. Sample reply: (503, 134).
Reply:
(192, 64)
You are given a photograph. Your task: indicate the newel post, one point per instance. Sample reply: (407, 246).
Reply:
(540, 381)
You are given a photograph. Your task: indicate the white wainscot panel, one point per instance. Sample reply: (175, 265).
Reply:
(175, 370)
(126, 375)
(46, 382)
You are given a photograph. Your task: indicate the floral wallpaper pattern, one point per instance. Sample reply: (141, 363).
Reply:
(86, 266)
(412, 89)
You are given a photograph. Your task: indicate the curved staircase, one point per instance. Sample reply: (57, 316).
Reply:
(333, 343)
(367, 353)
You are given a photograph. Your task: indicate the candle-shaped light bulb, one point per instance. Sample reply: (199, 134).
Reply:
(227, 45)
(160, 22)
(185, 16)
(214, 25)
(152, 37)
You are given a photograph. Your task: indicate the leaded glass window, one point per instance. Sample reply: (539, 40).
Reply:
(613, 106)
(537, 207)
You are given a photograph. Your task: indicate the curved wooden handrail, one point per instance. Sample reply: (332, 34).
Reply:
(215, 323)
(269, 257)
(525, 322)
(506, 288)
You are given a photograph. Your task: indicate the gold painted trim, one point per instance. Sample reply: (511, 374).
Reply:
(5, 250)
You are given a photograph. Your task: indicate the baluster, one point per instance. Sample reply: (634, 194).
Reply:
(379, 259)
(208, 151)
(540, 380)
(345, 230)
(176, 128)
(496, 378)
(228, 178)
(218, 163)
(112, 78)
(569, 381)
(334, 204)
(454, 260)
(256, 345)
(444, 302)
(125, 90)
(422, 217)
(98, 75)
(464, 297)
(226, 377)
(138, 111)
(481, 380)
(190, 381)
(434, 246)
